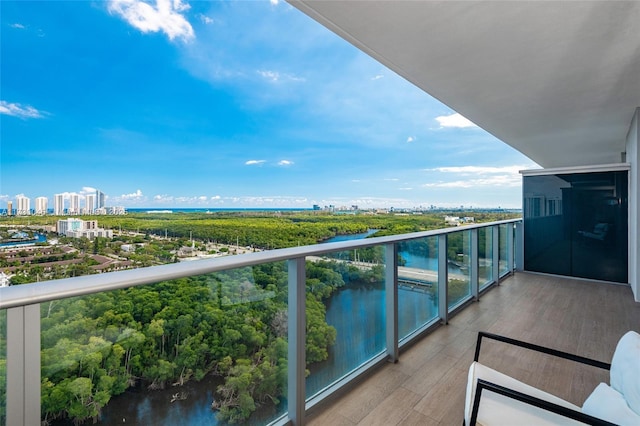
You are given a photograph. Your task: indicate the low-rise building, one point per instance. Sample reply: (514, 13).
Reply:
(77, 228)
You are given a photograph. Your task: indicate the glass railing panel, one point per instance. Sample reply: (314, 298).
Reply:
(458, 265)
(205, 349)
(417, 284)
(485, 257)
(345, 314)
(505, 232)
(3, 367)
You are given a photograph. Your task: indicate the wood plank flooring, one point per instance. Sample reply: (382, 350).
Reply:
(427, 385)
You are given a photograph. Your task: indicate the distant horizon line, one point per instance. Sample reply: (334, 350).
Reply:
(50, 212)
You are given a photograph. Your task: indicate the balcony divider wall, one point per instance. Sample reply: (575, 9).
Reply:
(22, 304)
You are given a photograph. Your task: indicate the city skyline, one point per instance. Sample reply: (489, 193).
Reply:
(90, 201)
(226, 105)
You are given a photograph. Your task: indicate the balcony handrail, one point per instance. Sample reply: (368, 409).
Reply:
(45, 291)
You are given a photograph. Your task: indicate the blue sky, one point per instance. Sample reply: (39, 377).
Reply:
(225, 104)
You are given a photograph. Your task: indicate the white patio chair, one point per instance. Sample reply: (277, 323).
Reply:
(494, 398)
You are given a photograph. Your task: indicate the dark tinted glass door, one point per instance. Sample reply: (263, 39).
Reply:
(576, 225)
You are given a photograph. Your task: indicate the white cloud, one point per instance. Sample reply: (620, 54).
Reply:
(88, 190)
(274, 2)
(479, 169)
(133, 196)
(471, 183)
(254, 162)
(411, 139)
(269, 75)
(165, 16)
(20, 111)
(454, 120)
(271, 201)
(206, 19)
(506, 176)
(275, 76)
(285, 163)
(18, 26)
(377, 77)
(165, 200)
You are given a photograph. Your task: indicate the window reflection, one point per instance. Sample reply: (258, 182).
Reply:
(576, 224)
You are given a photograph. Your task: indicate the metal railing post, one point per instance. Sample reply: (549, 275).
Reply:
(510, 248)
(296, 353)
(495, 253)
(443, 279)
(23, 365)
(391, 299)
(474, 279)
(519, 249)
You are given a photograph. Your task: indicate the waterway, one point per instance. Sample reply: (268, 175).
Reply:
(357, 312)
(38, 238)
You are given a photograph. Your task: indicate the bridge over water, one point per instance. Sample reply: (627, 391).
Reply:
(406, 276)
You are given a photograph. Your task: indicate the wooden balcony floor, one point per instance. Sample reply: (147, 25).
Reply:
(427, 385)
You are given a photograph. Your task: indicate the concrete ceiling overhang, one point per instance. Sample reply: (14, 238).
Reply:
(557, 80)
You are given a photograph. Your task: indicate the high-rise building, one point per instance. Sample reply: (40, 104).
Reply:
(23, 207)
(42, 205)
(9, 208)
(89, 203)
(74, 204)
(58, 204)
(100, 199)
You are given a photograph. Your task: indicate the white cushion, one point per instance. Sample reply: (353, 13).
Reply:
(500, 410)
(625, 369)
(607, 404)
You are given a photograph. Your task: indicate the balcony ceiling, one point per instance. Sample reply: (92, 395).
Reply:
(557, 80)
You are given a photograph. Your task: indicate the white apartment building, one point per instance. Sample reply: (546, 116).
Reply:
(77, 228)
(58, 204)
(69, 224)
(74, 204)
(91, 233)
(23, 205)
(89, 203)
(94, 203)
(42, 205)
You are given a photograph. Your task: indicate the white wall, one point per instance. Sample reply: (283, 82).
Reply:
(633, 157)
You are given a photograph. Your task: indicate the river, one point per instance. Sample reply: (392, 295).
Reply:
(356, 311)
(358, 314)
